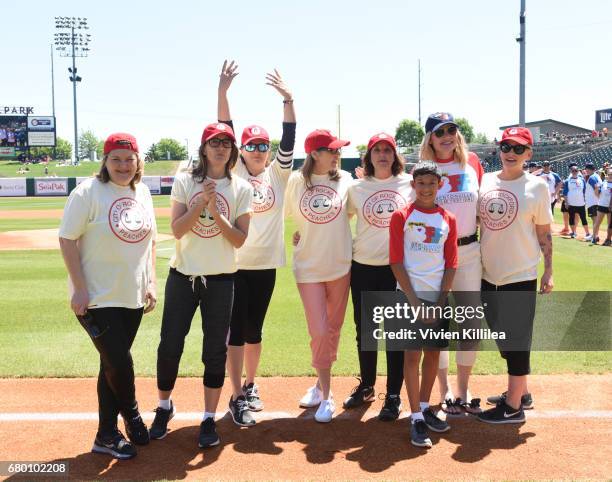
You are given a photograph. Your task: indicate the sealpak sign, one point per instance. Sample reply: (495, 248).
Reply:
(57, 186)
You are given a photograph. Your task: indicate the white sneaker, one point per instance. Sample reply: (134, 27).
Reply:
(313, 397)
(326, 410)
(588, 238)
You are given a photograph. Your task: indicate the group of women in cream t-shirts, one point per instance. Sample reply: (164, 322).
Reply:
(227, 216)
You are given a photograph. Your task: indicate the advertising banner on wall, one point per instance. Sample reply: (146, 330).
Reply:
(12, 187)
(153, 183)
(51, 186)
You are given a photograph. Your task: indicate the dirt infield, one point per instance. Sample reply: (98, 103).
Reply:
(565, 437)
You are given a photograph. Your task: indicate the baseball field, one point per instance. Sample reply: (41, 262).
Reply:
(48, 370)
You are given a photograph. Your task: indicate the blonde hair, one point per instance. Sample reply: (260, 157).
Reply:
(103, 176)
(308, 168)
(460, 155)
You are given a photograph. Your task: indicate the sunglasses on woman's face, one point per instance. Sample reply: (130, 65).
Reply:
(257, 147)
(517, 148)
(331, 151)
(220, 142)
(441, 132)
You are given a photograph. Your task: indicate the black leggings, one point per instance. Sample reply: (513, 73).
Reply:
(116, 390)
(375, 278)
(252, 293)
(580, 211)
(502, 312)
(214, 295)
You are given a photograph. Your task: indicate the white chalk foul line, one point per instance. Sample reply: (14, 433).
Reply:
(302, 415)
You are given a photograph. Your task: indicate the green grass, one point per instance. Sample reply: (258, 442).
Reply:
(10, 168)
(55, 202)
(41, 338)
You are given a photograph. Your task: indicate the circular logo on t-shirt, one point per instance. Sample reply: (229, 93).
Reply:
(206, 227)
(263, 195)
(498, 209)
(320, 204)
(379, 207)
(129, 220)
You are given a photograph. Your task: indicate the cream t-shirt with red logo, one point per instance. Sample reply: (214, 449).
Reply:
(114, 227)
(374, 201)
(203, 250)
(509, 212)
(321, 215)
(264, 247)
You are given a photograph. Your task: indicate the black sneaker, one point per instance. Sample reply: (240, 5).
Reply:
(526, 400)
(418, 434)
(136, 430)
(208, 434)
(241, 415)
(502, 413)
(251, 393)
(361, 394)
(433, 422)
(114, 445)
(159, 428)
(391, 408)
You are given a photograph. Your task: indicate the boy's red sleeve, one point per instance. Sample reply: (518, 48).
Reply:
(450, 246)
(396, 236)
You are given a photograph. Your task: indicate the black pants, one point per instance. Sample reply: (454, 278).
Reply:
(502, 312)
(116, 390)
(552, 206)
(580, 211)
(375, 278)
(252, 293)
(183, 296)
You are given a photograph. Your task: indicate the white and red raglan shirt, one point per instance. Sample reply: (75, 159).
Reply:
(459, 191)
(425, 241)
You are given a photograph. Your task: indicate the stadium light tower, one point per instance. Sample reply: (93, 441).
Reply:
(71, 44)
(521, 41)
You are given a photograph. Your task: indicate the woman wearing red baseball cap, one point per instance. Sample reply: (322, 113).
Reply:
(316, 198)
(211, 211)
(461, 175)
(515, 219)
(383, 188)
(264, 250)
(107, 238)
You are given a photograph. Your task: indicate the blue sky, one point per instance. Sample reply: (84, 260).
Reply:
(153, 68)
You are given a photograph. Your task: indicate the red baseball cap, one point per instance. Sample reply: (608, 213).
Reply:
(520, 135)
(217, 129)
(381, 137)
(120, 140)
(254, 133)
(322, 138)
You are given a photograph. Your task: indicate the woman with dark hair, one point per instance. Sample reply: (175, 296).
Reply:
(317, 200)
(107, 238)
(382, 190)
(210, 215)
(461, 175)
(264, 250)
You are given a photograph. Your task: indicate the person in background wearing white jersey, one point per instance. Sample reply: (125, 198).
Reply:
(107, 238)
(591, 194)
(574, 188)
(515, 219)
(264, 249)
(210, 216)
(554, 183)
(383, 188)
(604, 208)
(461, 175)
(316, 198)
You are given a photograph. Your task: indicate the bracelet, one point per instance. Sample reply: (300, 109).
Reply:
(288, 101)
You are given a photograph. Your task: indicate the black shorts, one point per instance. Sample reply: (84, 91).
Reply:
(592, 211)
(564, 207)
(603, 209)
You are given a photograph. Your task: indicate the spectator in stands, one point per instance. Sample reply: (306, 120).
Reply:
(532, 166)
(604, 208)
(592, 192)
(554, 184)
(574, 190)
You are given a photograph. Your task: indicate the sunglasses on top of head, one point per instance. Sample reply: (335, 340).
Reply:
(327, 149)
(257, 147)
(218, 142)
(517, 148)
(441, 132)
